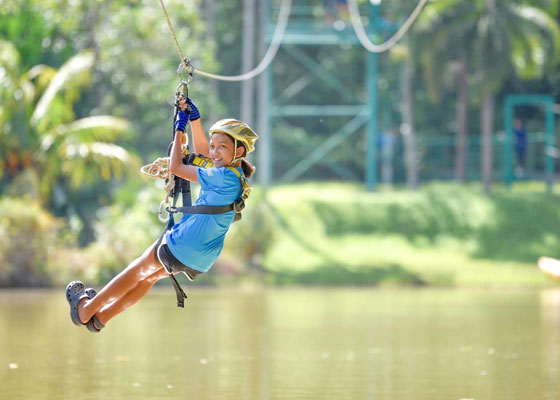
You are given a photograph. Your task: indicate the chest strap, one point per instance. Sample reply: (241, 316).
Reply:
(237, 206)
(202, 209)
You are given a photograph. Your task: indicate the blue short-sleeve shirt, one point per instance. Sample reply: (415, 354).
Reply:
(198, 239)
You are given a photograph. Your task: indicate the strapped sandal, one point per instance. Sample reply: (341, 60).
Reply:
(75, 292)
(94, 325)
(91, 292)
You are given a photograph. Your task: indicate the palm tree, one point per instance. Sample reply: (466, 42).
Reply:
(439, 43)
(39, 134)
(516, 34)
(484, 39)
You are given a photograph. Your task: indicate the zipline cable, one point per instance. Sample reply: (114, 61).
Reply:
(356, 21)
(279, 31)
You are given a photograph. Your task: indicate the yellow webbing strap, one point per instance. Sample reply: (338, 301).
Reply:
(246, 188)
(205, 162)
(201, 161)
(160, 169)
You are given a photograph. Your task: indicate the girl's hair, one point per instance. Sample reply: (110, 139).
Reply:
(248, 168)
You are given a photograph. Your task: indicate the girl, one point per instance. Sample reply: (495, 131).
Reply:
(195, 242)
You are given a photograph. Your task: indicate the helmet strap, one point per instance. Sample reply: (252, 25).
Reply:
(235, 158)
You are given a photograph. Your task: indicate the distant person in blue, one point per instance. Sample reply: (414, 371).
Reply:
(520, 142)
(195, 242)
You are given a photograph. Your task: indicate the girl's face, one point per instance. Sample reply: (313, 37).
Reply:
(221, 149)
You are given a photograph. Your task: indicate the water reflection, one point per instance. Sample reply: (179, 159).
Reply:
(288, 344)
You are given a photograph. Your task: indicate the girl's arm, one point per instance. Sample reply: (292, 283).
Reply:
(200, 141)
(176, 166)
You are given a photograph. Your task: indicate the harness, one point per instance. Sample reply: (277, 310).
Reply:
(176, 187)
(238, 205)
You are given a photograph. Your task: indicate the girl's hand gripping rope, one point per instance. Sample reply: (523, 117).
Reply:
(194, 114)
(182, 116)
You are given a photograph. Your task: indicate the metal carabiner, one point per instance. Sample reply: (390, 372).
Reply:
(161, 208)
(184, 83)
(186, 64)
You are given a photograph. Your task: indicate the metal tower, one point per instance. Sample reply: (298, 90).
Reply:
(310, 31)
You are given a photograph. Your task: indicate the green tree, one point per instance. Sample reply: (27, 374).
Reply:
(43, 146)
(486, 41)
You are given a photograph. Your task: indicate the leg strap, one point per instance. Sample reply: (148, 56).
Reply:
(181, 296)
(163, 261)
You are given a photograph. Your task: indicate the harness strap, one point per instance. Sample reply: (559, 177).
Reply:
(181, 295)
(237, 206)
(202, 209)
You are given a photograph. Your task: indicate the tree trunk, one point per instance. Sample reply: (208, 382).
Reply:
(407, 113)
(487, 123)
(248, 51)
(462, 122)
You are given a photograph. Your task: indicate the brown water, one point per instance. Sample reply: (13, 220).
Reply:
(288, 344)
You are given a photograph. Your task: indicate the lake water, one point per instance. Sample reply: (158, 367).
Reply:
(288, 344)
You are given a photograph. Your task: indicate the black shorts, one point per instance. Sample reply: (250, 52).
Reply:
(170, 263)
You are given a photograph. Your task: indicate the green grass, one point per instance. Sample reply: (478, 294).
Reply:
(443, 234)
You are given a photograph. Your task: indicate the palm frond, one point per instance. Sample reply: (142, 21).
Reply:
(72, 73)
(42, 74)
(97, 150)
(87, 162)
(98, 128)
(545, 22)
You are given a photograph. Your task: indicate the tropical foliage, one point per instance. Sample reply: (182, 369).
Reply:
(497, 39)
(86, 95)
(47, 152)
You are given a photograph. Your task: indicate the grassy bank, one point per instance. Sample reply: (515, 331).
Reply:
(321, 233)
(444, 234)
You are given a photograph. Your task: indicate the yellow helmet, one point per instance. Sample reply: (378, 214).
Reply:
(238, 130)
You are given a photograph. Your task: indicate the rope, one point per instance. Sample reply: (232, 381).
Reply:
(279, 31)
(173, 35)
(159, 169)
(363, 37)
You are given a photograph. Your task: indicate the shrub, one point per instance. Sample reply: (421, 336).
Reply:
(249, 240)
(122, 235)
(27, 239)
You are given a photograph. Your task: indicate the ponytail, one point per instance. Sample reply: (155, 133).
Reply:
(248, 168)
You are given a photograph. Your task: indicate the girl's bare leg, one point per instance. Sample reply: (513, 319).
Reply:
(109, 311)
(143, 267)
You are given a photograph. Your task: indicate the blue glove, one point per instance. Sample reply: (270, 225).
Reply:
(193, 110)
(182, 119)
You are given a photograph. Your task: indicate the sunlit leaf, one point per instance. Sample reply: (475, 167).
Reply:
(9, 57)
(545, 22)
(97, 128)
(72, 73)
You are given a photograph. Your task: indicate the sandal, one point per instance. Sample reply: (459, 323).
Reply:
(94, 325)
(91, 292)
(93, 322)
(75, 292)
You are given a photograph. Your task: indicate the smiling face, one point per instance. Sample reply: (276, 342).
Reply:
(222, 149)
